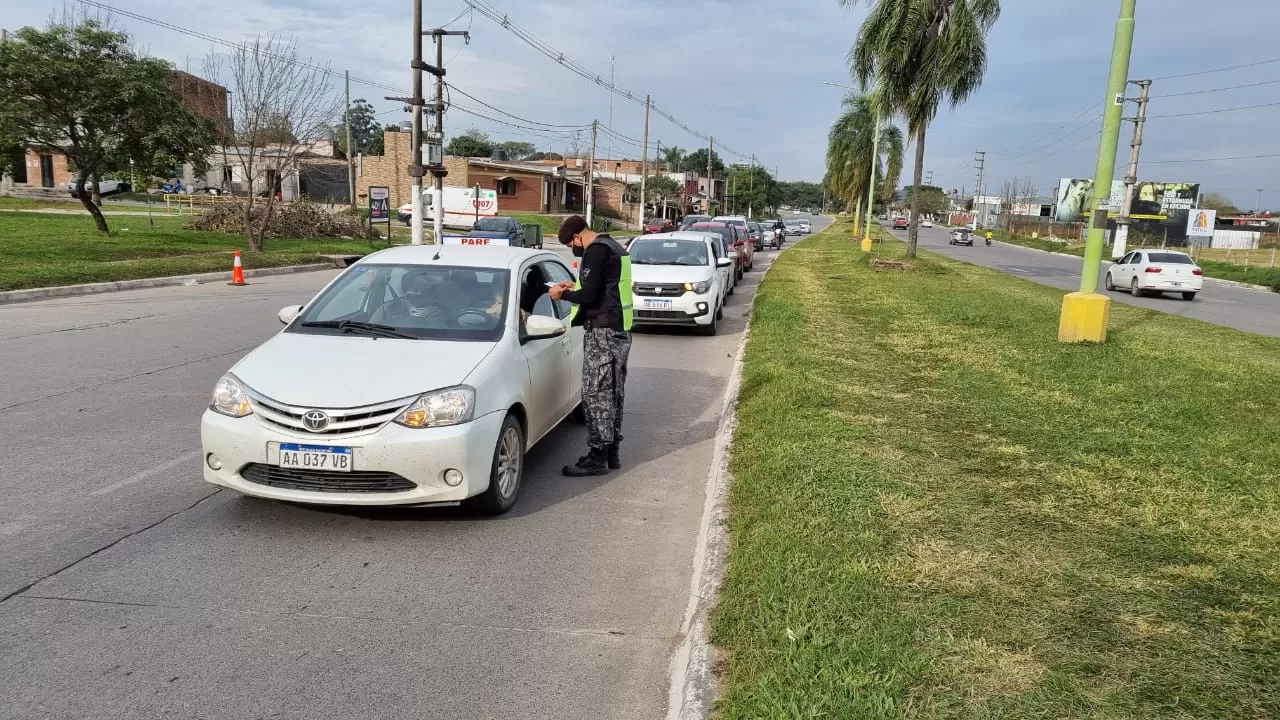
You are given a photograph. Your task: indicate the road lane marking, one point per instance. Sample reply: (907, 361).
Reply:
(168, 465)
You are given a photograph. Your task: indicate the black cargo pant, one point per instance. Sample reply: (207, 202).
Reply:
(604, 380)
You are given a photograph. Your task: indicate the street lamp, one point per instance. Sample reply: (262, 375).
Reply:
(875, 162)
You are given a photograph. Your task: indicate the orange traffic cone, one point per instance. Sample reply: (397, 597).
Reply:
(237, 272)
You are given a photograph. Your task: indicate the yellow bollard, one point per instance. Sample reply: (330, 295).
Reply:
(1084, 318)
(866, 244)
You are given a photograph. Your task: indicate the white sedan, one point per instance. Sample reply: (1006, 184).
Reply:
(926, 223)
(677, 279)
(1156, 271)
(419, 376)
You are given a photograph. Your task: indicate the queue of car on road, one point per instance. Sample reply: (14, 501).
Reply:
(421, 375)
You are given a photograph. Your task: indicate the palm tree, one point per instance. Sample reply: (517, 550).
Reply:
(673, 156)
(919, 53)
(849, 147)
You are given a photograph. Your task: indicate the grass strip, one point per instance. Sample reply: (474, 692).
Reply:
(45, 249)
(939, 511)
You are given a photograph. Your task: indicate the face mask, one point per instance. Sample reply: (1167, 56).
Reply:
(578, 251)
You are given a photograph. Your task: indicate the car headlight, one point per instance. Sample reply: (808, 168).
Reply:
(439, 408)
(698, 288)
(229, 398)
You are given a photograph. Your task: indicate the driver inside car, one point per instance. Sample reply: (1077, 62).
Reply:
(420, 302)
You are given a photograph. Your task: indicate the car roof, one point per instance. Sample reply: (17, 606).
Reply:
(730, 217)
(486, 256)
(677, 235)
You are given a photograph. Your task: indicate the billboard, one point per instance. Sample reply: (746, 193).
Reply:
(1200, 223)
(1156, 206)
(1075, 199)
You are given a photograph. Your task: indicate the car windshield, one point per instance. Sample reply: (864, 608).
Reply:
(425, 302)
(668, 252)
(1171, 258)
(494, 224)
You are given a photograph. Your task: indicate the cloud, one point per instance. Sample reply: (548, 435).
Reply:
(748, 72)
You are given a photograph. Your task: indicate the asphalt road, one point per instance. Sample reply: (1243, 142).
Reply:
(132, 589)
(1253, 311)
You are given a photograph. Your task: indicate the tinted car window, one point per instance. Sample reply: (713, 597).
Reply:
(668, 252)
(1172, 258)
(495, 224)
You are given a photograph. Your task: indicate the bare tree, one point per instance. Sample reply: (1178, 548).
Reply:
(575, 144)
(280, 107)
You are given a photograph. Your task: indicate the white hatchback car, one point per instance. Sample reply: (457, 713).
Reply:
(1156, 271)
(419, 376)
(676, 279)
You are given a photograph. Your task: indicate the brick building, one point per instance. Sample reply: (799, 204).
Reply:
(531, 187)
(206, 98)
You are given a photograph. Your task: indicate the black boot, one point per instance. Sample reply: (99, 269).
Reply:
(595, 462)
(615, 460)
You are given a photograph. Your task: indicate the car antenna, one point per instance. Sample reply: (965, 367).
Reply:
(437, 255)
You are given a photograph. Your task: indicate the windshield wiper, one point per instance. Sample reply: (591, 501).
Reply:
(355, 326)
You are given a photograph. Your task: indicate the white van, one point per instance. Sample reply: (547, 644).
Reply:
(460, 207)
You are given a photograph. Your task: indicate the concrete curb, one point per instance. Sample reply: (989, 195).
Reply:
(692, 687)
(1232, 283)
(64, 291)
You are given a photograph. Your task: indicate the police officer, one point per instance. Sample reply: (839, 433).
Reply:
(603, 299)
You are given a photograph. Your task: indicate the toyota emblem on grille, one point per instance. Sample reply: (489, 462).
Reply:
(315, 421)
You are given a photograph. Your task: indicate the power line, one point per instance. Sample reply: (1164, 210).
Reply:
(1218, 70)
(1214, 90)
(1219, 110)
(233, 45)
(1020, 156)
(1053, 132)
(1213, 159)
(512, 115)
(558, 56)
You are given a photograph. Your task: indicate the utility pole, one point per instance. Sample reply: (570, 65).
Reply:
(437, 137)
(752, 202)
(711, 181)
(591, 174)
(979, 164)
(351, 168)
(1085, 313)
(871, 187)
(1131, 177)
(644, 161)
(1257, 208)
(611, 108)
(415, 168)
(928, 177)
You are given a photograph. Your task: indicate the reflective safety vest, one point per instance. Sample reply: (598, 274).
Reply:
(624, 284)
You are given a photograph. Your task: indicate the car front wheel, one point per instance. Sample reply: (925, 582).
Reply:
(506, 472)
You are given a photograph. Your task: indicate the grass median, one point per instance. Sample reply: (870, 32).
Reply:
(45, 249)
(939, 511)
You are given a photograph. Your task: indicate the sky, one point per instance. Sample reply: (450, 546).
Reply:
(749, 72)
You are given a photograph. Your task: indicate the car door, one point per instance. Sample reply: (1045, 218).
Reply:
(1125, 269)
(572, 341)
(727, 275)
(547, 358)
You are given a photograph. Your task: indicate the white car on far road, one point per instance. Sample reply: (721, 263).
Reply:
(1156, 271)
(805, 227)
(926, 223)
(419, 376)
(677, 279)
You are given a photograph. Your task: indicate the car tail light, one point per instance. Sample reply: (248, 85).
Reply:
(1154, 269)
(1197, 271)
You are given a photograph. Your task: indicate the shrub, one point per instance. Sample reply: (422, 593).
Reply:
(302, 219)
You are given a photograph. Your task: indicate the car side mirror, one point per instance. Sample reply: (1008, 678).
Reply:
(723, 262)
(538, 327)
(288, 314)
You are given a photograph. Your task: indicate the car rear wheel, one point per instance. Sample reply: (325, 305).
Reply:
(507, 470)
(1134, 289)
(1108, 284)
(1188, 296)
